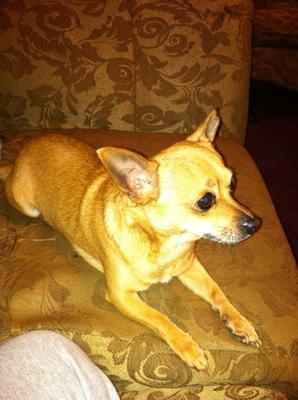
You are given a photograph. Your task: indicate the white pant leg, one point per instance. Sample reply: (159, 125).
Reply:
(43, 365)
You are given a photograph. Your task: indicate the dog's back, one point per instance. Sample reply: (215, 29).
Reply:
(33, 190)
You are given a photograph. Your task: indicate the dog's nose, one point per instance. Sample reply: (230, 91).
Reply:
(249, 225)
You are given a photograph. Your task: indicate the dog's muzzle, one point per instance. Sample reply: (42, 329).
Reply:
(249, 225)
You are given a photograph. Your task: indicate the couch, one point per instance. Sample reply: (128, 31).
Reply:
(141, 74)
(275, 42)
(126, 65)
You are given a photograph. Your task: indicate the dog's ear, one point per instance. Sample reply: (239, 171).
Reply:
(134, 175)
(207, 130)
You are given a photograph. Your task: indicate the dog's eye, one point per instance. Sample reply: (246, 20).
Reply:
(206, 202)
(233, 183)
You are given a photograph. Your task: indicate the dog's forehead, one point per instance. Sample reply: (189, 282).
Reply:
(193, 156)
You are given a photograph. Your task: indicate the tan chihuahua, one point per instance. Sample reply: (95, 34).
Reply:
(138, 219)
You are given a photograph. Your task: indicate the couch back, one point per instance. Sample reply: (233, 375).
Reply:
(128, 65)
(275, 3)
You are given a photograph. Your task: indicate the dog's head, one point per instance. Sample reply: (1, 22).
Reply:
(185, 189)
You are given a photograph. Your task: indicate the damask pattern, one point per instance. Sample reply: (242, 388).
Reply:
(129, 65)
(218, 392)
(44, 284)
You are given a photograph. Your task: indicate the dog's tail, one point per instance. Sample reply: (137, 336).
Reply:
(5, 170)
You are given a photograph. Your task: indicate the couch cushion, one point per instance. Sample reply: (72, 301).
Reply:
(44, 284)
(141, 65)
(212, 392)
(190, 56)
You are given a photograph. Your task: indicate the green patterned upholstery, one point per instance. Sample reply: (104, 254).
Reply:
(141, 67)
(129, 65)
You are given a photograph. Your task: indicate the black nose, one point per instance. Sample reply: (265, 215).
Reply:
(249, 224)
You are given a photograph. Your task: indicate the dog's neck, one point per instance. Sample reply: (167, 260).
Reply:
(162, 256)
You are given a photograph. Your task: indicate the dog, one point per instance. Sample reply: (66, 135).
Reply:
(138, 219)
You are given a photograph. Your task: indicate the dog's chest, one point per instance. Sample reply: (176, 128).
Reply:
(172, 259)
(166, 275)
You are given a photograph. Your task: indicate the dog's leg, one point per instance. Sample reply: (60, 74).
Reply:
(197, 279)
(132, 306)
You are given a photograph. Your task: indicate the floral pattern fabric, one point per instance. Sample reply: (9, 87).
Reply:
(217, 392)
(121, 64)
(45, 285)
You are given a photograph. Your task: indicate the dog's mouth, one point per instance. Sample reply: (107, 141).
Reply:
(247, 226)
(228, 238)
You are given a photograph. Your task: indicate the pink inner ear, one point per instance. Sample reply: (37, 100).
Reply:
(211, 126)
(141, 185)
(136, 180)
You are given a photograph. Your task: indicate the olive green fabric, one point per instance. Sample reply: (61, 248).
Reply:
(121, 64)
(217, 392)
(45, 284)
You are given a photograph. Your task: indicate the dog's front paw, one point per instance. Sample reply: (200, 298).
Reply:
(190, 352)
(242, 329)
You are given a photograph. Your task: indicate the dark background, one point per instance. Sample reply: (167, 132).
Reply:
(272, 140)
